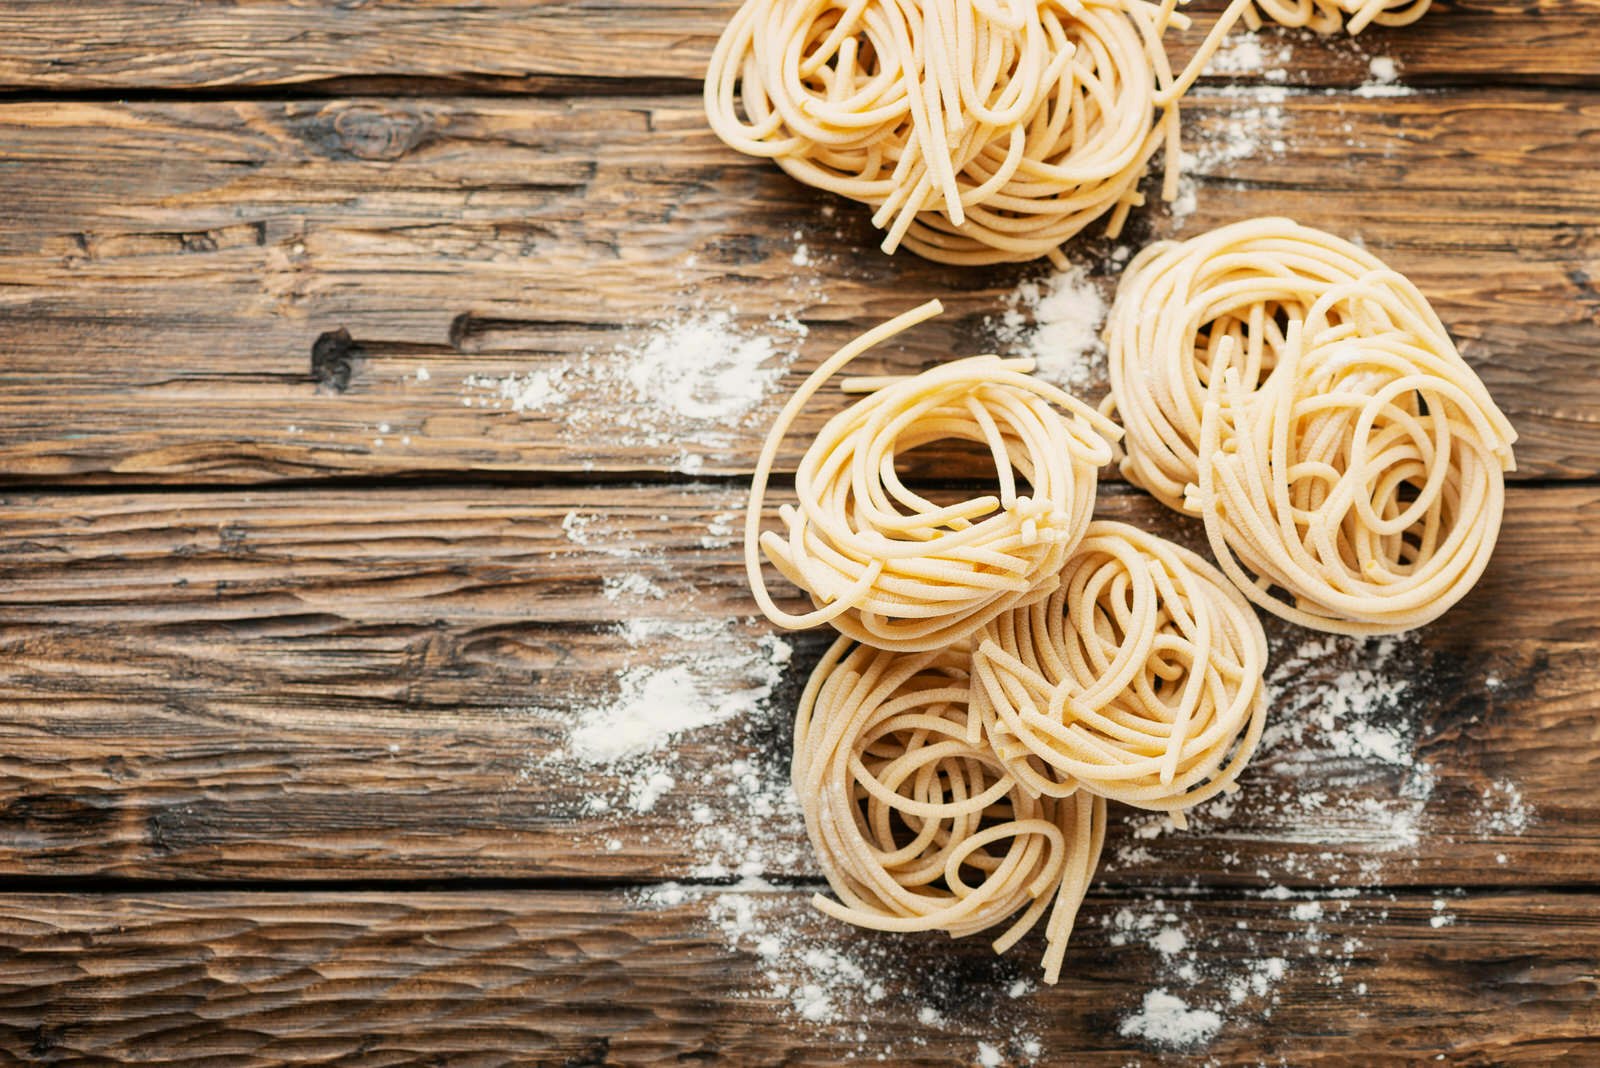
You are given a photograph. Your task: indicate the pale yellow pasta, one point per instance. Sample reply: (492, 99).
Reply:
(978, 131)
(916, 827)
(1360, 489)
(1139, 679)
(1176, 303)
(886, 565)
(1328, 16)
(1308, 404)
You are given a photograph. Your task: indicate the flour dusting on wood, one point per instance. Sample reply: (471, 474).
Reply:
(1055, 320)
(689, 385)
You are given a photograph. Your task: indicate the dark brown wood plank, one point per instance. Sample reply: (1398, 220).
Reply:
(396, 684)
(171, 265)
(500, 978)
(535, 45)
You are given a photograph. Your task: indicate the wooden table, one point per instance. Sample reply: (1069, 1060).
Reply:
(286, 707)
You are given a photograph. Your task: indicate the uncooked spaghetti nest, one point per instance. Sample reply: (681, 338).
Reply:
(979, 131)
(1329, 16)
(1138, 679)
(917, 825)
(888, 566)
(1307, 403)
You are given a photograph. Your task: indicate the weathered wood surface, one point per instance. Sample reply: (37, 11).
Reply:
(361, 683)
(501, 978)
(542, 46)
(189, 255)
(356, 679)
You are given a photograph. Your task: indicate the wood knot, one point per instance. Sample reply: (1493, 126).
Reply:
(335, 355)
(369, 132)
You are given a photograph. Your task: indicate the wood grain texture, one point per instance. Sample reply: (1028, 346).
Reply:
(364, 683)
(233, 236)
(543, 46)
(501, 978)
(189, 255)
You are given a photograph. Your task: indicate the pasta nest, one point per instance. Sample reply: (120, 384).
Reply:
(916, 823)
(1360, 488)
(891, 568)
(1178, 301)
(978, 131)
(1139, 679)
(1307, 403)
(1328, 16)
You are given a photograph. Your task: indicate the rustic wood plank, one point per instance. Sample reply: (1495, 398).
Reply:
(361, 684)
(172, 265)
(537, 45)
(500, 977)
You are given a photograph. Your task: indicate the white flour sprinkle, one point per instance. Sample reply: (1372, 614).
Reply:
(1382, 77)
(1253, 54)
(1249, 122)
(688, 387)
(820, 978)
(632, 585)
(720, 530)
(1166, 1020)
(597, 532)
(532, 392)
(826, 973)
(1502, 810)
(1056, 321)
(645, 794)
(1171, 940)
(693, 674)
(1229, 972)
(703, 370)
(1338, 722)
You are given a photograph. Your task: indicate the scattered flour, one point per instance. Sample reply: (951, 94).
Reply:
(825, 973)
(1056, 322)
(1166, 1020)
(703, 370)
(1244, 122)
(1503, 811)
(632, 585)
(645, 795)
(532, 392)
(1382, 79)
(596, 532)
(1253, 54)
(692, 675)
(687, 387)
(1338, 723)
(720, 531)
(1229, 972)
